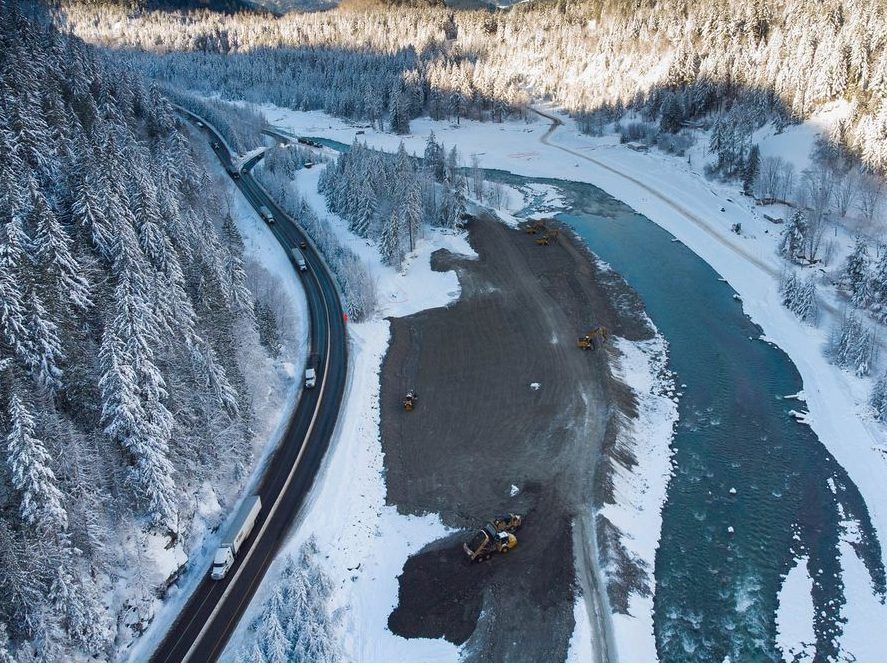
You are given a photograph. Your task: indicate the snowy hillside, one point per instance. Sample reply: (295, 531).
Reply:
(130, 352)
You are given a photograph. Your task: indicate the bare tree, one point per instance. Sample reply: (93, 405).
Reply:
(816, 192)
(871, 199)
(846, 191)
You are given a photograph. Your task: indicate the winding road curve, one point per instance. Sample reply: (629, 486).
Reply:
(207, 621)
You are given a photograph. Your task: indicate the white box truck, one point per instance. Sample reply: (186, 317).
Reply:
(266, 214)
(299, 258)
(239, 531)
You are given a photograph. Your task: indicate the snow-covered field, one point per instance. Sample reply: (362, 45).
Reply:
(674, 194)
(268, 266)
(364, 543)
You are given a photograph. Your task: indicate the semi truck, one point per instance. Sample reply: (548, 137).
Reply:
(299, 258)
(236, 534)
(266, 214)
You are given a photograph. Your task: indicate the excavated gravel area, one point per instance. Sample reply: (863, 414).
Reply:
(506, 400)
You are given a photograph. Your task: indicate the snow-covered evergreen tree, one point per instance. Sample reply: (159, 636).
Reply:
(793, 240)
(855, 274)
(878, 398)
(297, 623)
(30, 467)
(390, 244)
(877, 287)
(853, 345)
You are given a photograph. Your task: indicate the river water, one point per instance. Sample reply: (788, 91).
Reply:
(752, 489)
(716, 591)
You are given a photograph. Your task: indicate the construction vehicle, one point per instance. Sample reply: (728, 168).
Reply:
(409, 401)
(238, 532)
(548, 238)
(510, 522)
(535, 227)
(593, 339)
(488, 541)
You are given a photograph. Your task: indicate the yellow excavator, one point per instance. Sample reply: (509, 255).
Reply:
(535, 227)
(593, 339)
(548, 238)
(409, 400)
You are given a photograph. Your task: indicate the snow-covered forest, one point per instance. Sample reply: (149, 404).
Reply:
(297, 623)
(125, 327)
(389, 198)
(676, 61)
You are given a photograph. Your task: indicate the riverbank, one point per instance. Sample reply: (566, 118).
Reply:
(836, 401)
(568, 287)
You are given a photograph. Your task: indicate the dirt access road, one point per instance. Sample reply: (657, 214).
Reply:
(482, 426)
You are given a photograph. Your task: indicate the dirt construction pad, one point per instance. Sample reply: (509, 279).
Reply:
(506, 400)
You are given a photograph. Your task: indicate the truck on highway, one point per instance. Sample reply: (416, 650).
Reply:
(299, 258)
(237, 532)
(311, 371)
(234, 171)
(266, 214)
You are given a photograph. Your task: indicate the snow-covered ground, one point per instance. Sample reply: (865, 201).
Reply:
(640, 492)
(364, 543)
(268, 268)
(794, 619)
(674, 194)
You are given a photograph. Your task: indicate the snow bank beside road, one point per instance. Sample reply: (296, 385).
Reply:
(268, 269)
(363, 542)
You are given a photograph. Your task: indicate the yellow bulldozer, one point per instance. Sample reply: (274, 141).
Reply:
(593, 339)
(409, 400)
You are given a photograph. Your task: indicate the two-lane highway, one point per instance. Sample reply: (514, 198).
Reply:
(205, 624)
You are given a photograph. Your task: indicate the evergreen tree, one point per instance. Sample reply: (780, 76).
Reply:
(274, 644)
(853, 345)
(878, 287)
(435, 159)
(791, 244)
(879, 398)
(42, 504)
(53, 253)
(752, 170)
(13, 311)
(672, 116)
(5, 655)
(390, 245)
(854, 276)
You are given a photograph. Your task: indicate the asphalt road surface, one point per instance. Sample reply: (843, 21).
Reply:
(205, 624)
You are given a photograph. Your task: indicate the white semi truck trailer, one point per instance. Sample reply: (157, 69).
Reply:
(238, 532)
